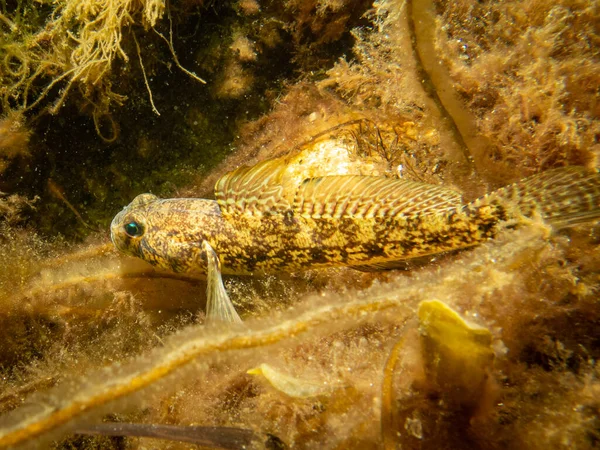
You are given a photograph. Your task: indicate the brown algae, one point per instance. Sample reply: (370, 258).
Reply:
(90, 336)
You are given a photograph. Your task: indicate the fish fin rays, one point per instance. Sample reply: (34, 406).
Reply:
(563, 197)
(366, 196)
(254, 190)
(269, 188)
(219, 307)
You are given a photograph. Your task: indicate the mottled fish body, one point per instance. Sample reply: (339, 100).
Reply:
(175, 229)
(265, 220)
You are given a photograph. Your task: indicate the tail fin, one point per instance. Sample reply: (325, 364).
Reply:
(563, 197)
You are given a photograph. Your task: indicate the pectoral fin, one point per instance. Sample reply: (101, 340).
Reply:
(218, 305)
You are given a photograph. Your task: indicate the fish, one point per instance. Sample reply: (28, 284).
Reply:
(268, 218)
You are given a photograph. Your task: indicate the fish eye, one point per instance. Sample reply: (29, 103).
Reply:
(134, 229)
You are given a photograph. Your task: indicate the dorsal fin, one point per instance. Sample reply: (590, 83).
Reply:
(365, 197)
(253, 190)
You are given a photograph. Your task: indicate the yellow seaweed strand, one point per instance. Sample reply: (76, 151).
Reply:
(139, 52)
(83, 280)
(387, 396)
(113, 388)
(94, 251)
(442, 90)
(172, 50)
(56, 191)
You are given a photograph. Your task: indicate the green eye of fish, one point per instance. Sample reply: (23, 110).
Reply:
(134, 229)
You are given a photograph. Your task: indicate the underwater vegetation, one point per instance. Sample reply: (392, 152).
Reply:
(80, 72)
(494, 347)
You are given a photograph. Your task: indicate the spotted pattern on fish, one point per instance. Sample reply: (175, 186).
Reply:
(260, 223)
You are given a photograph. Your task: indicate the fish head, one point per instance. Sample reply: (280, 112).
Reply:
(167, 233)
(128, 230)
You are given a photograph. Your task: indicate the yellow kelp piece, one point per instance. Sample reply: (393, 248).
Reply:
(294, 387)
(457, 355)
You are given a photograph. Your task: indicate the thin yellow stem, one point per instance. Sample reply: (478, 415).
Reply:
(137, 46)
(387, 396)
(136, 376)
